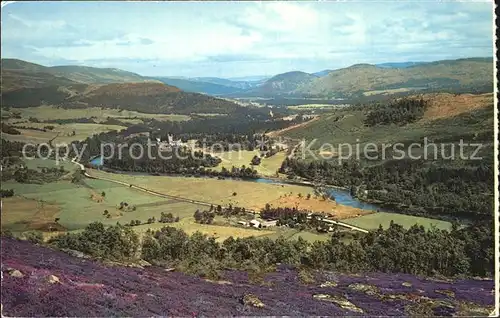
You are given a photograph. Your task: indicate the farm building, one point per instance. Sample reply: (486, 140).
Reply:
(255, 223)
(269, 223)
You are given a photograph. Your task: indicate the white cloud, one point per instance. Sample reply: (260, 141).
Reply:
(275, 35)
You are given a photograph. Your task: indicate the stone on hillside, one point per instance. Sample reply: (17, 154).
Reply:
(328, 284)
(53, 279)
(340, 301)
(16, 273)
(252, 300)
(367, 289)
(144, 263)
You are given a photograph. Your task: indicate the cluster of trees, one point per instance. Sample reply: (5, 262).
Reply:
(176, 161)
(25, 175)
(116, 242)
(204, 217)
(465, 251)
(294, 218)
(401, 111)
(125, 206)
(207, 216)
(135, 223)
(4, 193)
(28, 128)
(411, 186)
(168, 218)
(243, 172)
(83, 120)
(255, 161)
(223, 141)
(8, 129)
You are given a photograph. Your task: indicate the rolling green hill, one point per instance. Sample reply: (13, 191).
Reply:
(85, 74)
(18, 74)
(472, 75)
(466, 74)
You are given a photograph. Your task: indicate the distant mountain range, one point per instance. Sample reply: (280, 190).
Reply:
(212, 85)
(399, 64)
(462, 75)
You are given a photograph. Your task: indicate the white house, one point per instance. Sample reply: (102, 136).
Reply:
(269, 223)
(255, 223)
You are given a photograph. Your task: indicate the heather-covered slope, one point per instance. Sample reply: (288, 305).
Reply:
(37, 281)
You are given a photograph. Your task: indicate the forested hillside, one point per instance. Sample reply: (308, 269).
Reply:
(143, 97)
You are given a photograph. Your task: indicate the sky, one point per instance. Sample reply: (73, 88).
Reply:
(236, 39)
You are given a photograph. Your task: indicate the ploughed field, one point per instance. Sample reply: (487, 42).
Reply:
(38, 281)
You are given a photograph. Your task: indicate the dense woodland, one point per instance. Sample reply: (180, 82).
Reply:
(244, 124)
(415, 186)
(401, 112)
(143, 97)
(466, 251)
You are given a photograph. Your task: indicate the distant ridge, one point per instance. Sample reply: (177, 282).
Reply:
(18, 74)
(467, 75)
(462, 75)
(399, 64)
